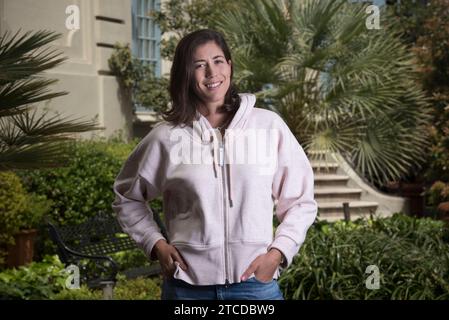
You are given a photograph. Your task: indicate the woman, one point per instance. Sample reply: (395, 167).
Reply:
(209, 161)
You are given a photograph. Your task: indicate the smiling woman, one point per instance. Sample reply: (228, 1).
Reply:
(218, 213)
(201, 79)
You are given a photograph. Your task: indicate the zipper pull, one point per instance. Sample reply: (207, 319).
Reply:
(221, 156)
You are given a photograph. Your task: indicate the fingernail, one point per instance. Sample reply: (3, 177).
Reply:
(243, 278)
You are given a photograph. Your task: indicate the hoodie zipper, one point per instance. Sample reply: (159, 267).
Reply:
(221, 157)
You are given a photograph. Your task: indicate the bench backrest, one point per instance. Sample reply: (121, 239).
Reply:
(100, 235)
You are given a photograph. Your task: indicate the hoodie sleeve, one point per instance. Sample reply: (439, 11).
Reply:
(138, 182)
(293, 186)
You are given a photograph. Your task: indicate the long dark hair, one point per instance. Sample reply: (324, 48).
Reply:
(185, 101)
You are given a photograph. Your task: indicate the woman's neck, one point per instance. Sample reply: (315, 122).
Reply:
(215, 117)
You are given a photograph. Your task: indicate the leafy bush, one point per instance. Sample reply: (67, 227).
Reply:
(425, 25)
(83, 293)
(46, 280)
(18, 209)
(12, 202)
(130, 259)
(135, 289)
(138, 289)
(438, 192)
(84, 187)
(147, 90)
(38, 280)
(411, 255)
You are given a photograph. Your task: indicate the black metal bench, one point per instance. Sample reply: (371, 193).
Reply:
(90, 244)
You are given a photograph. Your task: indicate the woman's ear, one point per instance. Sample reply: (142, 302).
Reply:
(230, 62)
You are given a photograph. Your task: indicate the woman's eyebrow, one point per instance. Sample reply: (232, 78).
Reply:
(202, 60)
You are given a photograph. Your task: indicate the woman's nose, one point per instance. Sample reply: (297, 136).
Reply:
(210, 71)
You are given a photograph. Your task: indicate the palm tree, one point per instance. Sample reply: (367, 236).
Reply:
(339, 86)
(28, 138)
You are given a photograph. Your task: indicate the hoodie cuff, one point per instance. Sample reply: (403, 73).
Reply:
(287, 246)
(149, 245)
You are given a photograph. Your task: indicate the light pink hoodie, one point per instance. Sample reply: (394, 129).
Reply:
(219, 208)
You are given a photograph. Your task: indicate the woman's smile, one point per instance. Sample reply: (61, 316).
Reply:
(213, 85)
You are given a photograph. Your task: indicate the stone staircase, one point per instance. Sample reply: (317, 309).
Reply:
(336, 183)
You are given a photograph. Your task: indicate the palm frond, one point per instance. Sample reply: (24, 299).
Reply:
(22, 56)
(28, 138)
(34, 156)
(338, 85)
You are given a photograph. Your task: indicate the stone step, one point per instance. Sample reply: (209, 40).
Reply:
(319, 155)
(335, 194)
(317, 152)
(331, 180)
(327, 167)
(339, 216)
(356, 208)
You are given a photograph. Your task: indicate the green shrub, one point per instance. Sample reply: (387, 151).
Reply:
(130, 259)
(84, 187)
(38, 280)
(438, 192)
(46, 280)
(139, 78)
(83, 293)
(135, 289)
(411, 255)
(19, 210)
(12, 202)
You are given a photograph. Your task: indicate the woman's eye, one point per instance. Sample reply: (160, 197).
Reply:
(199, 66)
(218, 61)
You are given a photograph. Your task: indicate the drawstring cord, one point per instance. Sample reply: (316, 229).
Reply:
(214, 156)
(227, 163)
(229, 175)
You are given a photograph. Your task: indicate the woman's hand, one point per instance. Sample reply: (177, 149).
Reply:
(168, 256)
(264, 266)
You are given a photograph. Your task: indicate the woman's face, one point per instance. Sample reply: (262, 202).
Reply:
(212, 73)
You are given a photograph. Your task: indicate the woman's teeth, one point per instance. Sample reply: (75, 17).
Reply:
(213, 85)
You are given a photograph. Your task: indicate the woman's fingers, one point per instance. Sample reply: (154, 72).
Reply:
(169, 258)
(168, 267)
(177, 258)
(251, 269)
(263, 267)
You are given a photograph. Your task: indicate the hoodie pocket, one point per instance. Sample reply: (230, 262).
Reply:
(186, 227)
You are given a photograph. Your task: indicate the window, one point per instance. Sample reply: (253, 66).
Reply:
(146, 34)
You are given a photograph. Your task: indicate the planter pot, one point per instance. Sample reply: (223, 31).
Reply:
(443, 210)
(22, 251)
(415, 193)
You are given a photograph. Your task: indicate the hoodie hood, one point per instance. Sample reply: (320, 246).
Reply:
(203, 129)
(219, 145)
